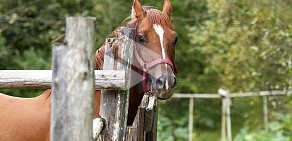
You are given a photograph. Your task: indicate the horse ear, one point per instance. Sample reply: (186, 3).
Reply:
(138, 10)
(167, 8)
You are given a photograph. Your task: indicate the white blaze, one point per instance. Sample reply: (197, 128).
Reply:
(160, 31)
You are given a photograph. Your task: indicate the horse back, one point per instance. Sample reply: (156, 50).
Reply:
(25, 119)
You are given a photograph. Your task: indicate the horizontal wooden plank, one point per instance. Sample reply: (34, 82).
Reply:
(189, 95)
(263, 93)
(243, 94)
(39, 79)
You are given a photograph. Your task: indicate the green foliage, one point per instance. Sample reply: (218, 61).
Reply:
(4, 52)
(28, 28)
(172, 127)
(242, 45)
(275, 132)
(261, 135)
(279, 126)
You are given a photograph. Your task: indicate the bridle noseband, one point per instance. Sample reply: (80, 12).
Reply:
(146, 79)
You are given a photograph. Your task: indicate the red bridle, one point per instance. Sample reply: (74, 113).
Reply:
(146, 79)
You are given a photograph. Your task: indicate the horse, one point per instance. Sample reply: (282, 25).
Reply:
(28, 119)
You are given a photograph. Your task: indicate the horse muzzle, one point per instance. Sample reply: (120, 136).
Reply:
(164, 86)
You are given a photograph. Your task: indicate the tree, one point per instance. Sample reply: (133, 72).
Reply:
(247, 45)
(243, 45)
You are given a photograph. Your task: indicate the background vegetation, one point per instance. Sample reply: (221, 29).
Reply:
(242, 45)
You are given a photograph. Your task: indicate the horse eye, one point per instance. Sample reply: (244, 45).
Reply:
(141, 39)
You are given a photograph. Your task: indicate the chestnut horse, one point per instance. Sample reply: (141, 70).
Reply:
(28, 119)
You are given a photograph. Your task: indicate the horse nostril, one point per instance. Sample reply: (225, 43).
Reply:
(174, 82)
(160, 82)
(166, 82)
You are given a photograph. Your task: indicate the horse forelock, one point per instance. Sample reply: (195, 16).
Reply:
(158, 17)
(155, 16)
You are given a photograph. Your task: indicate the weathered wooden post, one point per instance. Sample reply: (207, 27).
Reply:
(223, 121)
(265, 112)
(191, 118)
(73, 82)
(114, 103)
(151, 117)
(226, 115)
(136, 131)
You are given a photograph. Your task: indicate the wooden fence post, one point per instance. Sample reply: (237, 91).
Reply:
(114, 104)
(191, 118)
(265, 112)
(223, 121)
(73, 82)
(150, 104)
(226, 115)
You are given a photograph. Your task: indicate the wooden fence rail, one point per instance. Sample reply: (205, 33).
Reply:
(42, 79)
(73, 81)
(233, 95)
(225, 96)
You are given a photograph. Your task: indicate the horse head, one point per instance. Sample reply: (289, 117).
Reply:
(154, 51)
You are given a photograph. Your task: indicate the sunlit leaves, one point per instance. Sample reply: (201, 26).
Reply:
(248, 46)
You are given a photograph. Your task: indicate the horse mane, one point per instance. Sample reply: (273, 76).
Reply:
(99, 57)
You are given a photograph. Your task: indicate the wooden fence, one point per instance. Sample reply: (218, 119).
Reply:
(144, 127)
(42, 79)
(225, 96)
(73, 81)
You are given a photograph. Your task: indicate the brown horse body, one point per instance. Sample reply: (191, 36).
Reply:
(28, 119)
(25, 119)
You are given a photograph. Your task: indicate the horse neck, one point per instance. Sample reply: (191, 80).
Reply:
(99, 59)
(136, 75)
